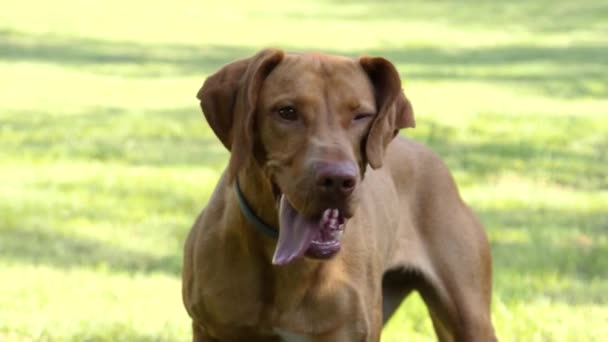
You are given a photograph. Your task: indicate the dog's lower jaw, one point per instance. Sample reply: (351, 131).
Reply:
(302, 236)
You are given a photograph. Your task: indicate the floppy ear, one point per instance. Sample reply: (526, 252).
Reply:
(394, 109)
(228, 100)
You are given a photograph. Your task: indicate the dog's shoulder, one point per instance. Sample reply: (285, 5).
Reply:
(405, 155)
(412, 163)
(406, 150)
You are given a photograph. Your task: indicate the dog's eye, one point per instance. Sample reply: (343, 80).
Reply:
(362, 116)
(288, 113)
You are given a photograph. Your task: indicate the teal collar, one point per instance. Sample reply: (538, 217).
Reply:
(253, 219)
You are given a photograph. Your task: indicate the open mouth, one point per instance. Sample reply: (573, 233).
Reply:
(314, 237)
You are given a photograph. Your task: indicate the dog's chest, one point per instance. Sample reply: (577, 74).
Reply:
(288, 336)
(293, 313)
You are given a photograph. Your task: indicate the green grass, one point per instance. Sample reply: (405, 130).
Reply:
(105, 159)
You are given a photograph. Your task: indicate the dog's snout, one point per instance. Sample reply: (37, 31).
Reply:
(336, 177)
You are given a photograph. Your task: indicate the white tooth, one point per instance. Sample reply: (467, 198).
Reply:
(332, 223)
(326, 214)
(338, 235)
(334, 213)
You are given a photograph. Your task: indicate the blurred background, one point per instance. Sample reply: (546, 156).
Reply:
(105, 158)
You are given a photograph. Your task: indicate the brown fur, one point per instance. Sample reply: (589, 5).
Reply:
(408, 228)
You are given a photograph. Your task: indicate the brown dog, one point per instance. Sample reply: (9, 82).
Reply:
(352, 241)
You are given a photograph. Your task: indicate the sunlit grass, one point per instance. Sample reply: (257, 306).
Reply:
(105, 159)
(93, 303)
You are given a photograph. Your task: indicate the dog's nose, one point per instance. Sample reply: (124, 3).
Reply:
(337, 177)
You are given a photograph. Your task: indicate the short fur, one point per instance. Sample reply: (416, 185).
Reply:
(408, 228)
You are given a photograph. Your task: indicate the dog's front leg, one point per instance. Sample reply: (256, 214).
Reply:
(347, 334)
(198, 335)
(356, 330)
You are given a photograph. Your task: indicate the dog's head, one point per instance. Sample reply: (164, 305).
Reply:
(312, 123)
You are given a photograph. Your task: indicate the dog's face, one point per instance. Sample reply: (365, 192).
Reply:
(312, 123)
(312, 116)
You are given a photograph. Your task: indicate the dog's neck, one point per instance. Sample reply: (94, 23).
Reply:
(257, 191)
(251, 216)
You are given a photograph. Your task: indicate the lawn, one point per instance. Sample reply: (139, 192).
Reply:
(105, 158)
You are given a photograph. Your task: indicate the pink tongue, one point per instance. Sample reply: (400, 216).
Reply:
(295, 234)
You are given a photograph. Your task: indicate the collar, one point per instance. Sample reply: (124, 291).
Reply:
(250, 215)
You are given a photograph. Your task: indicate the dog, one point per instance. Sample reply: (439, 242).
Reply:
(325, 218)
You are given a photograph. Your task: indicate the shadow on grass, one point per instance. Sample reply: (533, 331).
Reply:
(551, 240)
(545, 155)
(55, 249)
(575, 70)
(557, 254)
(541, 16)
(156, 138)
(483, 161)
(117, 57)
